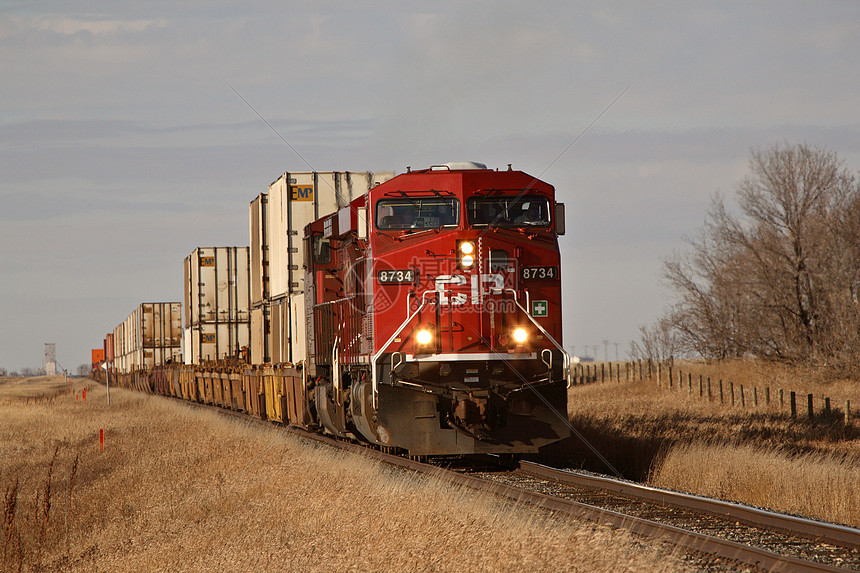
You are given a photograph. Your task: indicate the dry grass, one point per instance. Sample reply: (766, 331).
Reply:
(181, 490)
(815, 485)
(36, 388)
(758, 455)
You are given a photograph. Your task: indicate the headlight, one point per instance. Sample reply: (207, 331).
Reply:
(520, 335)
(466, 253)
(424, 337)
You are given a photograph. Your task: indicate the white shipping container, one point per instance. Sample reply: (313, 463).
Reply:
(260, 336)
(259, 251)
(295, 200)
(217, 286)
(287, 330)
(150, 336)
(216, 341)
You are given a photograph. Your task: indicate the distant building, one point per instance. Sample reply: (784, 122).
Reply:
(50, 358)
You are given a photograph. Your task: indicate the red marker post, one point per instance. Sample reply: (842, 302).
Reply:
(85, 394)
(101, 439)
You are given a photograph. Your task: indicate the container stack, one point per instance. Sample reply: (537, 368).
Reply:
(217, 320)
(278, 219)
(151, 336)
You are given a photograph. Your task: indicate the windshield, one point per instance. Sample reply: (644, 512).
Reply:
(423, 213)
(511, 211)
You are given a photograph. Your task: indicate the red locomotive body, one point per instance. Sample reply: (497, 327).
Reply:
(434, 314)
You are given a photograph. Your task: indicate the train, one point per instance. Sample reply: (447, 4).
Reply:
(430, 321)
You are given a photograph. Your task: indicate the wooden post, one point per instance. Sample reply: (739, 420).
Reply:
(781, 399)
(732, 388)
(659, 372)
(650, 371)
(701, 390)
(755, 396)
(721, 390)
(827, 407)
(603, 372)
(767, 396)
(847, 411)
(743, 398)
(689, 383)
(793, 405)
(809, 407)
(709, 388)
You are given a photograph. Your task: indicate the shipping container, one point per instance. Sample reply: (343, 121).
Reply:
(211, 341)
(288, 329)
(260, 335)
(150, 336)
(259, 251)
(217, 318)
(216, 285)
(295, 200)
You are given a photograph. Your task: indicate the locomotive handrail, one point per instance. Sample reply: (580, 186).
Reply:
(373, 365)
(547, 334)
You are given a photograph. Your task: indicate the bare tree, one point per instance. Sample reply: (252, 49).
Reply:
(779, 280)
(657, 343)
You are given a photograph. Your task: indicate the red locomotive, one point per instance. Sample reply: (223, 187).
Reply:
(433, 306)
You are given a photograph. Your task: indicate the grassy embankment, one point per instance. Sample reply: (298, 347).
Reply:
(178, 489)
(758, 455)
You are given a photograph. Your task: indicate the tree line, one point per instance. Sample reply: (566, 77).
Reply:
(777, 276)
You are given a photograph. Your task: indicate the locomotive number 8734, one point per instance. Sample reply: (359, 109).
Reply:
(422, 314)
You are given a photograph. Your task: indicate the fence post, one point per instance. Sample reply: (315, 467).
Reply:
(659, 373)
(709, 388)
(689, 382)
(721, 390)
(793, 405)
(767, 396)
(827, 406)
(732, 389)
(755, 396)
(781, 399)
(701, 391)
(743, 398)
(809, 406)
(847, 411)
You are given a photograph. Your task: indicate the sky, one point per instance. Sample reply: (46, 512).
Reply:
(131, 133)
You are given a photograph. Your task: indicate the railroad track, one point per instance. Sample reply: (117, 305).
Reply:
(713, 534)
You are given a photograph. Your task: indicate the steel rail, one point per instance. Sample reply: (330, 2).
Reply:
(801, 526)
(678, 537)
